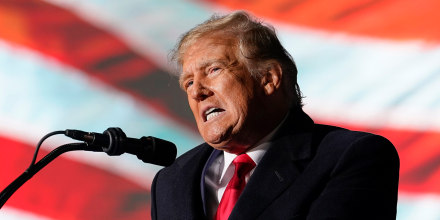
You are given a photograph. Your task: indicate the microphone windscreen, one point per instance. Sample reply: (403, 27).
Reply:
(158, 151)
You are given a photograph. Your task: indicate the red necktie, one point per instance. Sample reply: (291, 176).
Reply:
(243, 165)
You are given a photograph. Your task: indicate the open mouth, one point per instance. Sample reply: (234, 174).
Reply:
(212, 113)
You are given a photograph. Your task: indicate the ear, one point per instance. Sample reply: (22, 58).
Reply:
(271, 77)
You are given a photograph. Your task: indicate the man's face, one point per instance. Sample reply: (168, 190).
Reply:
(222, 94)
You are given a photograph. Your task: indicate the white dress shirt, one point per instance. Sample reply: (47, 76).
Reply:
(222, 169)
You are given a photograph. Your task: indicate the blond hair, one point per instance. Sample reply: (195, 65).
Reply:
(256, 42)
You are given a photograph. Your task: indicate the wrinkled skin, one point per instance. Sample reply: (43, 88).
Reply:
(217, 82)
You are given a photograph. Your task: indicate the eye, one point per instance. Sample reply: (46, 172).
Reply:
(189, 83)
(214, 69)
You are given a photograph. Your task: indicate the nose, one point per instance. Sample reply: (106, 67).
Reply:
(199, 91)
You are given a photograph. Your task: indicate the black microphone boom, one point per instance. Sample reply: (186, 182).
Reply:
(113, 141)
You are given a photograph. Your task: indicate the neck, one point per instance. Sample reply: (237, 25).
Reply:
(271, 121)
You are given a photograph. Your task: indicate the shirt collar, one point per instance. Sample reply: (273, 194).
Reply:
(256, 153)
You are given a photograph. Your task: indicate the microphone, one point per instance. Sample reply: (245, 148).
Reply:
(114, 142)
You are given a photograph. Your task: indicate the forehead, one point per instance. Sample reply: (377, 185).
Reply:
(208, 49)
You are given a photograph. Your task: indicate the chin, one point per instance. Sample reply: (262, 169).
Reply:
(223, 139)
(228, 146)
(217, 138)
(225, 148)
(220, 145)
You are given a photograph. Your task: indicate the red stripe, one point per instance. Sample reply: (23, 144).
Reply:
(398, 19)
(67, 189)
(58, 33)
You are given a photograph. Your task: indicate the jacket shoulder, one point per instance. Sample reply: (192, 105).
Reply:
(360, 170)
(340, 139)
(339, 144)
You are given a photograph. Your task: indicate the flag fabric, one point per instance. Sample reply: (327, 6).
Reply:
(91, 64)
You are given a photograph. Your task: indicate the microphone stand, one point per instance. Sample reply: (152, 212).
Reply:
(34, 168)
(113, 142)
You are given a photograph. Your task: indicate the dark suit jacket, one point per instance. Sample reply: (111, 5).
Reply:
(310, 171)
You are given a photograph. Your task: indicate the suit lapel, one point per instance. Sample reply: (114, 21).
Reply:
(215, 153)
(277, 170)
(187, 187)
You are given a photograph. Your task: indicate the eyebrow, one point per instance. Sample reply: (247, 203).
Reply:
(182, 78)
(201, 66)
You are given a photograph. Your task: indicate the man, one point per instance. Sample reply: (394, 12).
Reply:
(264, 158)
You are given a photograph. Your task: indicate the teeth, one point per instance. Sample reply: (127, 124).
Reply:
(212, 115)
(209, 111)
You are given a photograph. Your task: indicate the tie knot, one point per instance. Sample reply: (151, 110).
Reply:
(243, 164)
(243, 158)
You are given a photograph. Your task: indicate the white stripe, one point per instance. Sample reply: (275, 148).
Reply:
(418, 206)
(40, 95)
(347, 79)
(9, 213)
(366, 81)
(151, 27)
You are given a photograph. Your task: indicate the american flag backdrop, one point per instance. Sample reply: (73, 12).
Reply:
(366, 65)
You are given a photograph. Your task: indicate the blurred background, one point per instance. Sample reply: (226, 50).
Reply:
(92, 64)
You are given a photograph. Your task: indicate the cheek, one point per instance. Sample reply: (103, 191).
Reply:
(240, 97)
(194, 109)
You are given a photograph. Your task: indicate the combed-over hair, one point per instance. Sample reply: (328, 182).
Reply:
(256, 42)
